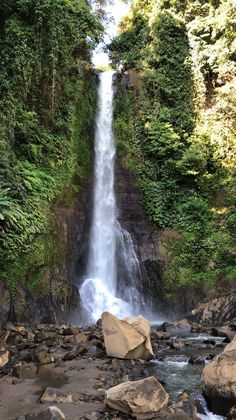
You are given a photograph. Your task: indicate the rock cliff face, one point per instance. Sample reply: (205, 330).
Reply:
(145, 238)
(55, 298)
(150, 252)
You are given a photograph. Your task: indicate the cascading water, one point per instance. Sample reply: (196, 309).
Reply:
(99, 291)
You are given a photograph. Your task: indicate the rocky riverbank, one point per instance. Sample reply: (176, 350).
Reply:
(67, 367)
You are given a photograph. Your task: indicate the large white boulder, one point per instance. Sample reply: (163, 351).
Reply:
(138, 398)
(219, 380)
(128, 338)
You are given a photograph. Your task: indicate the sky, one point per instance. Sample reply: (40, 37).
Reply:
(116, 10)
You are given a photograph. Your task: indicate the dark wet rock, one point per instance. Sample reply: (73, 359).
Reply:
(177, 344)
(209, 341)
(232, 324)
(196, 360)
(67, 330)
(71, 355)
(25, 356)
(23, 345)
(224, 331)
(158, 335)
(27, 371)
(174, 327)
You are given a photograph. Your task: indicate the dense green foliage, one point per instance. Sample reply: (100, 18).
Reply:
(175, 127)
(48, 92)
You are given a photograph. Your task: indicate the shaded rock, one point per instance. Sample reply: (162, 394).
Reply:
(185, 409)
(219, 380)
(157, 335)
(177, 344)
(50, 413)
(23, 345)
(218, 310)
(196, 360)
(182, 326)
(144, 397)
(71, 355)
(4, 358)
(30, 336)
(224, 332)
(128, 338)
(92, 395)
(80, 338)
(209, 341)
(27, 371)
(4, 304)
(232, 324)
(232, 413)
(45, 358)
(55, 395)
(25, 356)
(196, 327)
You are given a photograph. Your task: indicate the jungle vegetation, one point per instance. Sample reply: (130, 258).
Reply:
(175, 124)
(47, 105)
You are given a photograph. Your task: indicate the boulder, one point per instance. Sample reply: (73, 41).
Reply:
(197, 360)
(219, 380)
(218, 310)
(80, 338)
(45, 358)
(174, 327)
(55, 395)
(50, 413)
(138, 398)
(4, 358)
(158, 335)
(224, 331)
(128, 338)
(177, 344)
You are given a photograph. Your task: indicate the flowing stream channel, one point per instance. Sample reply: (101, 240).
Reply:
(172, 367)
(98, 292)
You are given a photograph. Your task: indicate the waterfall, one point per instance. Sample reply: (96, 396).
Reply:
(98, 292)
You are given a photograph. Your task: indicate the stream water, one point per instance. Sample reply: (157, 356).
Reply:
(172, 367)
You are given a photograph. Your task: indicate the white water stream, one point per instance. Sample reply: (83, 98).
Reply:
(99, 290)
